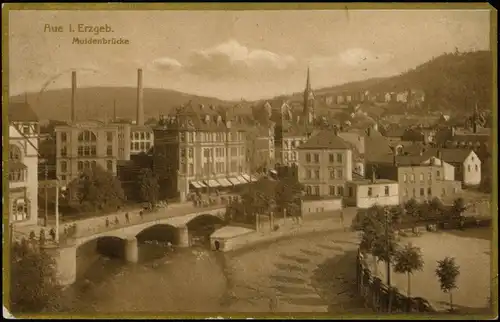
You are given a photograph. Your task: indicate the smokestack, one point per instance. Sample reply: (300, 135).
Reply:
(114, 110)
(73, 96)
(140, 107)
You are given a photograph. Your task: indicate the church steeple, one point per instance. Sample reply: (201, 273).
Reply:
(308, 100)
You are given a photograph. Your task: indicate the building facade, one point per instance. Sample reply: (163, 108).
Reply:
(325, 165)
(199, 149)
(23, 164)
(141, 139)
(366, 193)
(86, 144)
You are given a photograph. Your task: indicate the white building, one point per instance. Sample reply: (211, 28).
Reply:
(366, 193)
(23, 164)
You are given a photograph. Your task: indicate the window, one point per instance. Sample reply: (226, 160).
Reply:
(182, 136)
(86, 164)
(316, 190)
(148, 136)
(143, 135)
(316, 158)
(20, 209)
(109, 136)
(468, 168)
(63, 177)
(386, 190)
(332, 158)
(316, 174)
(339, 157)
(438, 175)
(308, 190)
(64, 166)
(148, 145)
(405, 178)
(351, 191)
(14, 153)
(109, 165)
(93, 164)
(414, 193)
(87, 144)
(430, 177)
(422, 192)
(332, 174)
(16, 175)
(131, 146)
(190, 152)
(109, 150)
(429, 191)
(136, 146)
(308, 157)
(421, 177)
(142, 146)
(26, 129)
(339, 174)
(370, 192)
(476, 167)
(332, 190)
(406, 192)
(412, 178)
(64, 151)
(340, 191)
(308, 174)
(242, 151)
(63, 137)
(80, 165)
(443, 192)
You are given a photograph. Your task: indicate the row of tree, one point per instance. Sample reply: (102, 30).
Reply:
(379, 239)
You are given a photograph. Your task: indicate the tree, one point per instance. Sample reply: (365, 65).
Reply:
(447, 272)
(288, 196)
(98, 190)
(149, 186)
(412, 210)
(408, 260)
(33, 278)
(458, 207)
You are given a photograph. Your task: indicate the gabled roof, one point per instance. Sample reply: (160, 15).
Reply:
(326, 140)
(21, 112)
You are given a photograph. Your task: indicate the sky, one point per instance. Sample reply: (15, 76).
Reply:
(234, 54)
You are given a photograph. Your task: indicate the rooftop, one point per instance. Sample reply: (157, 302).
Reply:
(325, 140)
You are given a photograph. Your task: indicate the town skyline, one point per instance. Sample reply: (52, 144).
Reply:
(245, 55)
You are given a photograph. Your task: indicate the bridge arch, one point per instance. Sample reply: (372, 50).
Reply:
(160, 232)
(88, 253)
(203, 225)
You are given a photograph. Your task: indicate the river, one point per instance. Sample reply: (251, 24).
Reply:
(193, 280)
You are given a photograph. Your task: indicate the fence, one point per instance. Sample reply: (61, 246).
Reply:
(377, 295)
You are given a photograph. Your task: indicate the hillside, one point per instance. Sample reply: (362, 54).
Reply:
(98, 102)
(452, 81)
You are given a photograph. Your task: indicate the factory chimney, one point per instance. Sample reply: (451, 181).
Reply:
(73, 96)
(140, 106)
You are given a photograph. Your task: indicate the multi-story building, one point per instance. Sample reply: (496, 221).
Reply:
(23, 164)
(418, 180)
(325, 164)
(260, 146)
(83, 145)
(198, 148)
(141, 139)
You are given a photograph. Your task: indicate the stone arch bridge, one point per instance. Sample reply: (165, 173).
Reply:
(125, 226)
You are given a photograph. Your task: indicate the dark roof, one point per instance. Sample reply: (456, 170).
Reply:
(360, 182)
(16, 166)
(326, 140)
(21, 112)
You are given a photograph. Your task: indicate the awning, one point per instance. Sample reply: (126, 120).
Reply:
(249, 178)
(212, 183)
(17, 166)
(234, 181)
(224, 182)
(242, 179)
(197, 184)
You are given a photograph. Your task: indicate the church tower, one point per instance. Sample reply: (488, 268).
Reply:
(308, 112)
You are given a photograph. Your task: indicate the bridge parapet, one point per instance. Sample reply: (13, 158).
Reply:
(118, 225)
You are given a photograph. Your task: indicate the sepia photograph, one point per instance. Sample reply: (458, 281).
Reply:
(225, 160)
